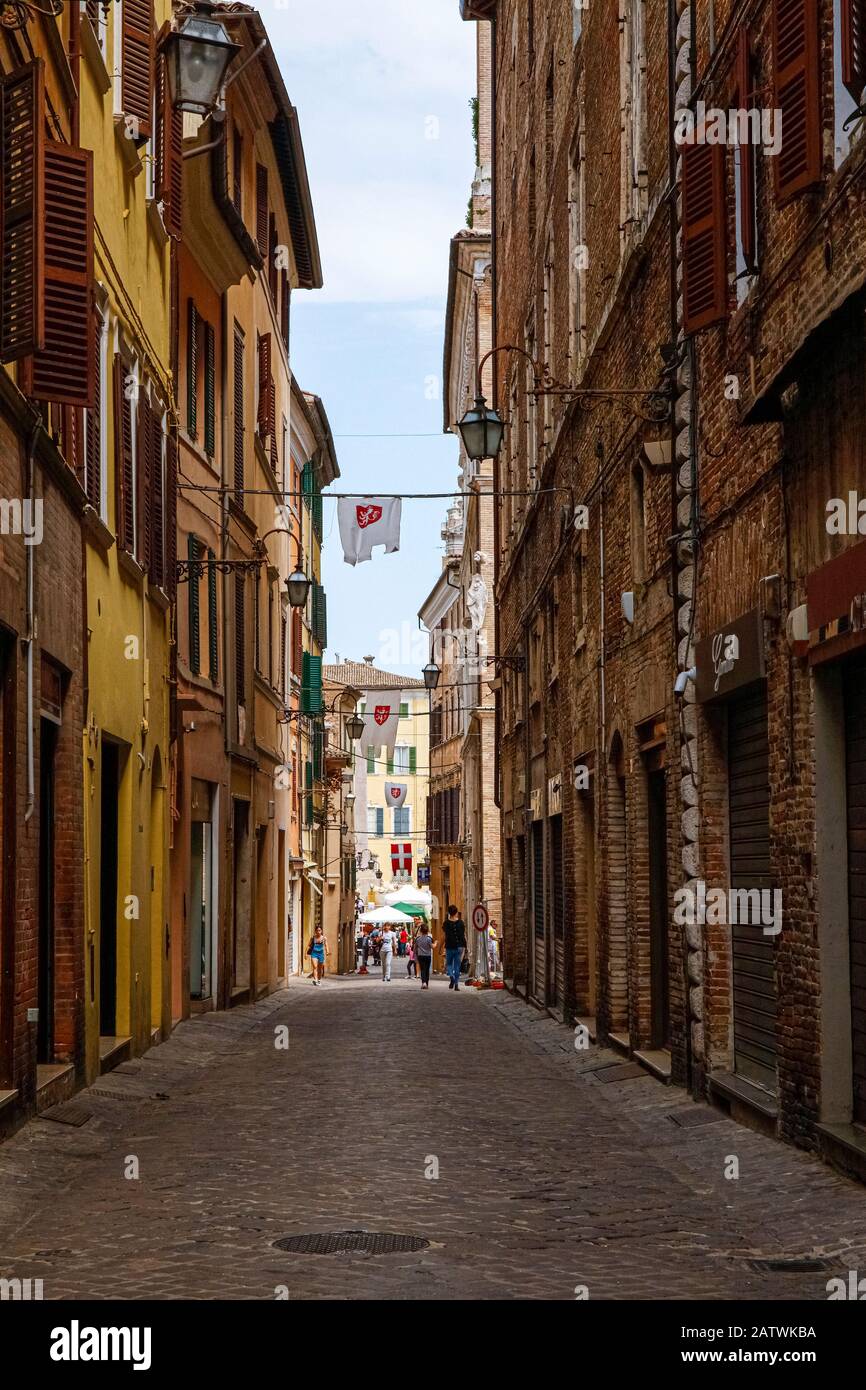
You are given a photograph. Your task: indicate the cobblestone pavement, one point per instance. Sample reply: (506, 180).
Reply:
(549, 1178)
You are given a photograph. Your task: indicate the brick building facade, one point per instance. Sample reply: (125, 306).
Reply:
(690, 713)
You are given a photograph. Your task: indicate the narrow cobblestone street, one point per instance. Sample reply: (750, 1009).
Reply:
(549, 1177)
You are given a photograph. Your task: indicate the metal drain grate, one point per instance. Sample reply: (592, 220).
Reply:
(70, 1113)
(796, 1264)
(351, 1242)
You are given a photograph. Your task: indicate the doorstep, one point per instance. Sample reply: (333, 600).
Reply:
(7, 1098)
(588, 1022)
(113, 1051)
(55, 1081)
(845, 1147)
(749, 1104)
(621, 1041)
(657, 1061)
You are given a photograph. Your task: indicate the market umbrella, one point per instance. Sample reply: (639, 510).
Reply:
(385, 916)
(412, 900)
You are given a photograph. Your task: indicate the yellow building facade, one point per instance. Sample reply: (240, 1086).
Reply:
(129, 565)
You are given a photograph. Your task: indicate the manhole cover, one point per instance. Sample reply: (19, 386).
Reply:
(350, 1242)
(71, 1113)
(796, 1264)
(622, 1071)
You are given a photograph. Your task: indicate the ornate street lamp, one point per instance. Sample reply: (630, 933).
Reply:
(354, 728)
(481, 430)
(298, 588)
(431, 674)
(197, 57)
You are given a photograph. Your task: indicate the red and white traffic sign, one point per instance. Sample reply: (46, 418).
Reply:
(480, 917)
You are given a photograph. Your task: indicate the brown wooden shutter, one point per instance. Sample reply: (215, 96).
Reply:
(209, 391)
(262, 209)
(144, 443)
(93, 450)
(169, 155)
(237, 170)
(264, 383)
(272, 425)
(157, 502)
(124, 471)
(136, 63)
(238, 388)
(703, 186)
(853, 37)
(171, 510)
(22, 224)
(272, 261)
(746, 150)
(796, 95)
(191, 369)
(284, 306)
(63, 369)
(240, 639)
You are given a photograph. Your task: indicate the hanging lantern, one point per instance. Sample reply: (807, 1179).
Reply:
(481, 430)
(197, 57)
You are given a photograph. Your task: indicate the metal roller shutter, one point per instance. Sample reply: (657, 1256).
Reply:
(855, 760)
(558, 893)
(539, 978)
(753, 952)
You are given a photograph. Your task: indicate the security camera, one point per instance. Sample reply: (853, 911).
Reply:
(683, 679)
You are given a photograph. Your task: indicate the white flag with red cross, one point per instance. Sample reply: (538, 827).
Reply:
(368, 521)
(401, 858)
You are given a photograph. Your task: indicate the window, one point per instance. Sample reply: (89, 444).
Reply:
(209, 391)
(531, 410)
(257, 643)
(847, 82)
(548, 126)
(95, 431)
(271, 633)
(532, 200)
(192, 340)
(548, 300)
(401, 758)
(240, 640)
(376, 820)
(237, 171)
(125, 393)
(796, 94)
(402, 820)
(633, 175)
(262, 224)
(213, 642)
(578, 256)
(193, 615)
(404, 711)
(745, 173)
(577, 19)
(578, 593)
(552, 629)
(134, 27)
(371, 762)
(98, 17)
(530, 30)
(238, 404)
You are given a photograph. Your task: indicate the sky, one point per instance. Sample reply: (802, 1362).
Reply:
(382, 89)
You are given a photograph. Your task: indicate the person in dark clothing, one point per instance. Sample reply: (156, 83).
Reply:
(455, 945)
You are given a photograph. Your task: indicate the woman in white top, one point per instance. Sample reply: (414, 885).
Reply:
(389, 945)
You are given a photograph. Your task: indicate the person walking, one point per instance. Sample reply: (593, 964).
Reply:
(317, 951)
(386, 953)
(455, 945)
(411, 962)
(424, 953)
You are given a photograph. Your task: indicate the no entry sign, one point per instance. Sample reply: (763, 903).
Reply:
(480, 917)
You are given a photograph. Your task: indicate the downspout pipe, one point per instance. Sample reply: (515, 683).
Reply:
(30, 625)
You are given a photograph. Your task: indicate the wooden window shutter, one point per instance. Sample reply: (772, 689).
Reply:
(413, 759)
(240, 640)
(746, 150)
(124, 520)
(238, 387)
(272, 425)
(257, 619)
(209, 391)
(284, 633)
(93, 426)
(273, 273)
(144, 444)
(703, 196)
(194, 616)
(157, 502)
(262, 209)
(136, 63)
(853, 42)
(171, 511)
(22, 224)
(212, 633)
(191, 369)
(169, 155)
(390, 764)
(271, 633)
(264, 383)
(796, 94)
(371, 762)
(63, 370)
(284, 306)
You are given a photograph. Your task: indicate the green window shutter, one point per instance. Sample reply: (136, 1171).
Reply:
(318, 744)
(317, 513)
(194, 633)
(209, 392)
(413, 759)
(311, 684)
(380, 820)
(404, 711)
(307, 484)
(213, 644)
(371, 762)
(390, 765)
(308, 799)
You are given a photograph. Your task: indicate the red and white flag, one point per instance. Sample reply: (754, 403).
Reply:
(395, 793)
(401, 858)
(368, 521)
(380, 723)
